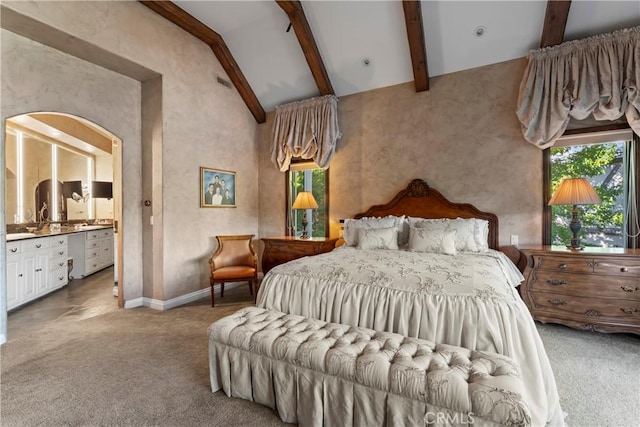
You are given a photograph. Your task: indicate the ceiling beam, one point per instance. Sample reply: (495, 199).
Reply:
(555, 21)
(184, 20)
(301, 27)
(417, 45)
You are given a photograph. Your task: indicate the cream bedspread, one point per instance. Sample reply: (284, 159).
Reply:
(468, 300)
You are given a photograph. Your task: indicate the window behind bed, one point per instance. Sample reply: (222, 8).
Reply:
(606, 159)
(307, 176)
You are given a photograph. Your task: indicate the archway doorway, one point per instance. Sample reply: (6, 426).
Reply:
(63, 176)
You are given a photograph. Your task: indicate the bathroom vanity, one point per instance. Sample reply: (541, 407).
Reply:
(91, 251)
(38, 264)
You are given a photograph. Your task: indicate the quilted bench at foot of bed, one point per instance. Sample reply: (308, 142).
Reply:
(316, 373)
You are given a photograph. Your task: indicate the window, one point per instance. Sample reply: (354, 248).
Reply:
(606, 160)
(307, 176)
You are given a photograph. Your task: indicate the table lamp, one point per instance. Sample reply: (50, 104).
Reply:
(574, 191)
(305, 201)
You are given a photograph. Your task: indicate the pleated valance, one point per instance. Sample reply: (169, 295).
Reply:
(306, 129)
(597, 76)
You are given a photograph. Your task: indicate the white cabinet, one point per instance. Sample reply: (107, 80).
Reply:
(29, 266)
(58, 255)
(14, 274)
(91, 251)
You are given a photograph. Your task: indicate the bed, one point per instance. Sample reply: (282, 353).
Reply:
(468, 299)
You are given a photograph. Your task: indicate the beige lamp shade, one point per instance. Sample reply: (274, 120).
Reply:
(574, 191)
(305, 200)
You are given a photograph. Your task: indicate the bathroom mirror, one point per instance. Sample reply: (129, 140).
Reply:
(39, 155)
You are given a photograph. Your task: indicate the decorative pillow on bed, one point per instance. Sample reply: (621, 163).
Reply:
(351, 227)
(468, 231)
(432, 238)
(378, 238)
(482, 234)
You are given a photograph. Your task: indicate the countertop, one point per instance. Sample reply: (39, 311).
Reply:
(11, 237)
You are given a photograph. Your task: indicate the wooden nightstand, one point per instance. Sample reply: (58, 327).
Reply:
(278, 250)
(597, 289)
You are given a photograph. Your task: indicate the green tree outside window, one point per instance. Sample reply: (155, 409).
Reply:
(602, 165)
(318, 219)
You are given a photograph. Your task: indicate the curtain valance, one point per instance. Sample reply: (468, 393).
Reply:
(307, 129)
(599, 75)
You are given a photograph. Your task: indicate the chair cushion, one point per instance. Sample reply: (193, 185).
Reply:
(235, 272)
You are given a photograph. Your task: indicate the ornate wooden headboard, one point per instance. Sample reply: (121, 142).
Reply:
(420, 200)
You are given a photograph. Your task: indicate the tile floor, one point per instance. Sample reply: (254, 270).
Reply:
(80, 299)
(93, 296)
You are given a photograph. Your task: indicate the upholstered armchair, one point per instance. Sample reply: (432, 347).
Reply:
(235, 260)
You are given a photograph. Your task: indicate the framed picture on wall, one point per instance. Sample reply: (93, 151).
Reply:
(217, 188)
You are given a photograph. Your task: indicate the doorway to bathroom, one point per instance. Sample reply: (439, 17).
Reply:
(62, 183)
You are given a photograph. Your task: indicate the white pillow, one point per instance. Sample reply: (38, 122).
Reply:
(378, 238)
(403, 230)
(481, 234)
(432, 238)
(351, 226)
(465, 234)
(468, 231)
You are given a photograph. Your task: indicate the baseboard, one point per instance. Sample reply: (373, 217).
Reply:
(178, 301)
(134, 303)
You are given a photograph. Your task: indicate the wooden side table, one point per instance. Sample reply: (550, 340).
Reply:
(597, 289)
(278, 250)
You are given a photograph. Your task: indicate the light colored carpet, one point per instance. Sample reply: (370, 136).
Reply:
(138, 367)
(598, 375)
(143, 367)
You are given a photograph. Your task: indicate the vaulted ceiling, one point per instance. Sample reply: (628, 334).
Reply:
(346, 47)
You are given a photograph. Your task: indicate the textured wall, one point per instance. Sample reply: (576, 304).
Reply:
(38, 78)
(462, 137)
(204, 124)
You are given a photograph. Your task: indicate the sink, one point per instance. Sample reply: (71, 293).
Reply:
(14, 236)
(91, 227)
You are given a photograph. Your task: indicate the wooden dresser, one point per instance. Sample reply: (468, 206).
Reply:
(597, 289)
(278, 250)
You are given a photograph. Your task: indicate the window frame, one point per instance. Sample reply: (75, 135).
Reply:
(546, 178)
(289, 202)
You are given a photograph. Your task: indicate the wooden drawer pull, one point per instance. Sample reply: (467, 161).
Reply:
(557, 302)
(629, 310)
(629, 288)
(562, 266)
(556, 282)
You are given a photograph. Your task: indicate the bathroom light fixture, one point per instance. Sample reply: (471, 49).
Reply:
(89, 180)
(55, 204)
(19, 173)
